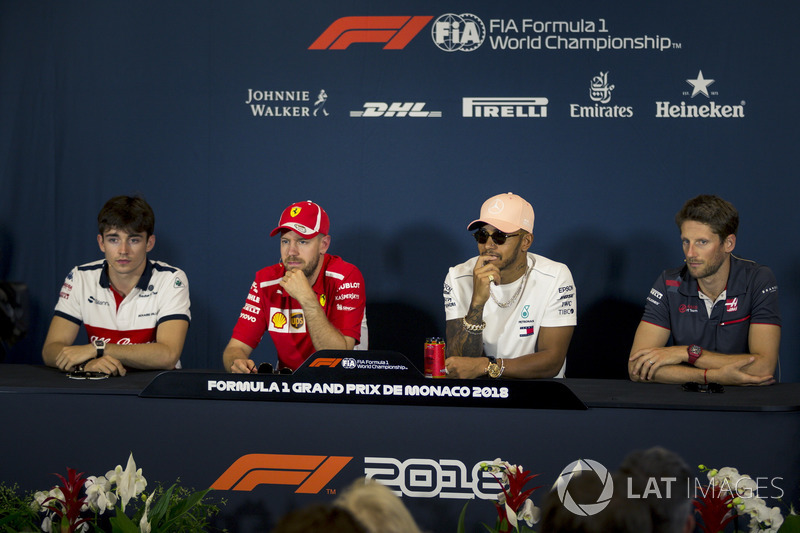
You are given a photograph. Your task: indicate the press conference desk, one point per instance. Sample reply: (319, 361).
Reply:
(421, 441)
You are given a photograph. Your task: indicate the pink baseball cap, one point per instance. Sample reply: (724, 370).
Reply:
(506, 212)
(305, 218)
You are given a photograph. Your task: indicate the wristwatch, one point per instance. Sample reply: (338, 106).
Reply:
(493, 370)
(694, 352)
(100, 344)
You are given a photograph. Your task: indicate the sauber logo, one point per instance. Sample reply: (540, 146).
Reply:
(396, 32)
(310, 473)
(325, 361)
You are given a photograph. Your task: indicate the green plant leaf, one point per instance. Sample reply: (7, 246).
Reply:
(791, 524)
(461, 517)
(120, 523)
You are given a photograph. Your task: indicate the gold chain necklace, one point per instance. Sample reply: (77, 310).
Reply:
(504, 305)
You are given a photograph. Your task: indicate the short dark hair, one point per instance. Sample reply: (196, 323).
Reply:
(621, 515)
(128, 213)
(640, 466)
(712, 210)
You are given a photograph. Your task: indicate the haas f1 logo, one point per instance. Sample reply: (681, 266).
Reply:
(309, 473)
(396, 32)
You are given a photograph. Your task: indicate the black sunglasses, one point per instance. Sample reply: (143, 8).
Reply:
(266, 368)
(691, 386)
(498, 237)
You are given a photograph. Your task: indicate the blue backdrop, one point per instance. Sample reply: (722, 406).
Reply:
(99, 99)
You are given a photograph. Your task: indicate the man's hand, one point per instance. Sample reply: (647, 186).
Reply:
(244, 366)
(296, 284)
(484, 272)
(732, 374)
(466, 367)
(647, 360)
(107, 365)
(71, 356)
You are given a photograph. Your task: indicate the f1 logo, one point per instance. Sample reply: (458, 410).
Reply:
(310, 473)
(325, 361)
(396, 32)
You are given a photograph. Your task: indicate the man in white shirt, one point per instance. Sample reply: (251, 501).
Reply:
(509, 312)
(135, 310)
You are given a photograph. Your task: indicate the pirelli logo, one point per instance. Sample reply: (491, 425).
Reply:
(309, 473)
(396, 32)
(501, 107)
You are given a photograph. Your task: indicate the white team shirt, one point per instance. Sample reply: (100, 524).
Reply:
(161, 294)
(547, 300)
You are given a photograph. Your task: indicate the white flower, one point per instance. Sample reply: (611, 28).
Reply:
(530, 513)
(38, 503)
(749, 505)
(38, 500)
(99, 494)
(746, 487)
(725, 477)
(144, 524)
(130, 482)
(768, 519)
(47, 524)
(501, 498)
(512, 516)
(498, 465)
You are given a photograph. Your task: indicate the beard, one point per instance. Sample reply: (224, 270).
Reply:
(707, 270)
(308, 269)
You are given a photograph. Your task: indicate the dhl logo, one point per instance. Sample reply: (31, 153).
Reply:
(396, 32)
(310, 473)
(325, 361)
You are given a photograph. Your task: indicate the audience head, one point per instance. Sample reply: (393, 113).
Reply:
(377, 508)
(664, 476)
(319, 518)
(619, 516)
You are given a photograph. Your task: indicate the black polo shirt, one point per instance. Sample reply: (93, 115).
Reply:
(751, 298)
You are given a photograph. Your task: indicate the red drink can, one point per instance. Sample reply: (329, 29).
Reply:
(434, 358)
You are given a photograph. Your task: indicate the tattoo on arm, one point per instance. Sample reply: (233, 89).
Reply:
(459, 341)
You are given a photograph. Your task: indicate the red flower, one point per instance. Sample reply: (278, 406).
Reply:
(513, 495)
(70, 508)
(715, 509)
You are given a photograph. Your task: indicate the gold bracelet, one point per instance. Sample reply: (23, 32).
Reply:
(472, 329)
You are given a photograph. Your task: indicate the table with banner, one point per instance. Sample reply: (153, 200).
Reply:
(268, 443)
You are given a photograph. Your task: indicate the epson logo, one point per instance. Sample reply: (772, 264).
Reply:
(502, 107)
(395, 109)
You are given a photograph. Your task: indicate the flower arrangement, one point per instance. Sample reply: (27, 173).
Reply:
(513, 504)
(730, 495)
(80, 503)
